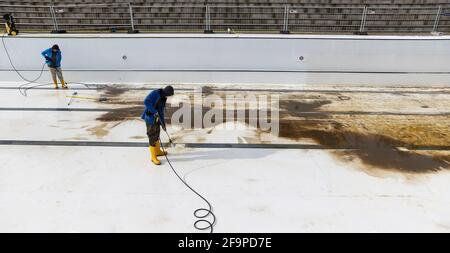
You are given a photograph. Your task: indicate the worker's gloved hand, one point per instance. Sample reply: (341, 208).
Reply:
(48, 58)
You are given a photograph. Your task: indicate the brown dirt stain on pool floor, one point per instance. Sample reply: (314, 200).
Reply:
(114, 91)
(377, 141)
(99, 130)
(297, 106)
(386, 142)
(121, 114)
(375, 150)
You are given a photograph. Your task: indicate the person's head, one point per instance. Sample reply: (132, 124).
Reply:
(55, 48)
(6, 17)
(168, 91)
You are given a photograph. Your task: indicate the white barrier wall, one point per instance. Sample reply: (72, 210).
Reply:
(250, 59)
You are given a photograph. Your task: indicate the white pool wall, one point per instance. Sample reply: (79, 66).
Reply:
(235, 58)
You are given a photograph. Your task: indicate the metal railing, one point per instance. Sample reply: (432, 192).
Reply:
(329, 19)
(231, 18)
(402, 19)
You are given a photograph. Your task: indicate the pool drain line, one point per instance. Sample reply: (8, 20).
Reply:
(200, 213)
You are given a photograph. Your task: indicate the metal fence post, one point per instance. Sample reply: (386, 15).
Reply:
(132, 30)
(55, 26)
(362, 27)
(285, 29)
(55, 22)
(208, 20)
(437, 19)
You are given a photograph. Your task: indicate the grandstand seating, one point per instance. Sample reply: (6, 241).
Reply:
(384, 16)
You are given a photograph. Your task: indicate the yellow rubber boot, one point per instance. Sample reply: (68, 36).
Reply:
(63, 84)
(153, 152)
(8, 29)
(56, 84)
(159, 151)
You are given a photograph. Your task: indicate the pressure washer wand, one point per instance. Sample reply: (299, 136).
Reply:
(170, 140)
(74, 94)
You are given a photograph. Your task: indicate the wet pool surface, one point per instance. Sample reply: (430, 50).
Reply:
(375, 150)
(404, 129)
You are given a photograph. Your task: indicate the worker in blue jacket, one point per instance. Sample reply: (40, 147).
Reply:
(53, 60)
(155, 104)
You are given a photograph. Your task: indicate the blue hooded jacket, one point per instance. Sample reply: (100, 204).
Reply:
(154, 102)
(48, 53)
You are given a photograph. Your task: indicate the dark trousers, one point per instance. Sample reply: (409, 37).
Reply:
(153, 133)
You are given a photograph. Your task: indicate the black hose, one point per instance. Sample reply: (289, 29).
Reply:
(88, 86)
(23, 90)
(201, 218)
(197, 213)
(17, 71)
